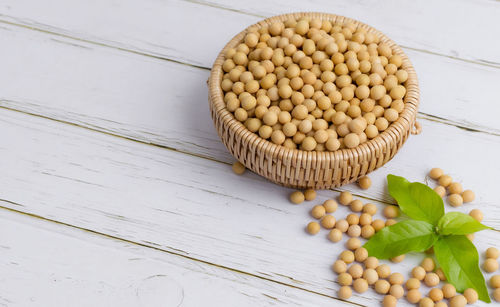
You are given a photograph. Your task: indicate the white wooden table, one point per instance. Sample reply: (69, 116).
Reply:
(116, 190)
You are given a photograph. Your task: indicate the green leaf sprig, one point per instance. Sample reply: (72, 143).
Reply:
(428, 227)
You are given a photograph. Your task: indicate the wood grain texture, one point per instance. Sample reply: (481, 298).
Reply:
(198, 208)
(155, 101)
(77, 96)
(154, 26)
(117, 74)
(448, 86)
(410, 23)
(97, 271)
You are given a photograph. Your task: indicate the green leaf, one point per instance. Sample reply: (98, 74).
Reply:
(456, 223)
(459, 260)
(401, 238)
(416, 200)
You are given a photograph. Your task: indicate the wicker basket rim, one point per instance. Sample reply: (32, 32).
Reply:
(402, 124)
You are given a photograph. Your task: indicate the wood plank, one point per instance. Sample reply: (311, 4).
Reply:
(447, 93)
(155, 101)
(72, 204)
(436, 28)
(98, 271)
(156, 27)
(198, 208)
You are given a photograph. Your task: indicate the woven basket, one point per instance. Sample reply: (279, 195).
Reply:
(305, 169)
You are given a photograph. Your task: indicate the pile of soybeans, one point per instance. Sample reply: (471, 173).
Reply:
(356, 271)
(314, 85)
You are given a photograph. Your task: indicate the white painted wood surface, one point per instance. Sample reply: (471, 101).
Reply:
(48, 264)
(89, 86)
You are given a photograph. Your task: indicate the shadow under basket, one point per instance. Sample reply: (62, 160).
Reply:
(311, 169)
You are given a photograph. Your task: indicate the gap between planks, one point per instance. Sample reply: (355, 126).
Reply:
(103, 43)
(113, 213)
(425, 116)
(180, 253)
(124, 269)
(123, 49)
(380, 200)
(111, 133)
(221, 7)
(111, 45)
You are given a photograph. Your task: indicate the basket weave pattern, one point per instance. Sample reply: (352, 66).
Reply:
(310, 169)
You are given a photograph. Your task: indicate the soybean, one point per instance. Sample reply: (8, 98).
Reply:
(297, 197)
(238, 168)
(313, 68)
